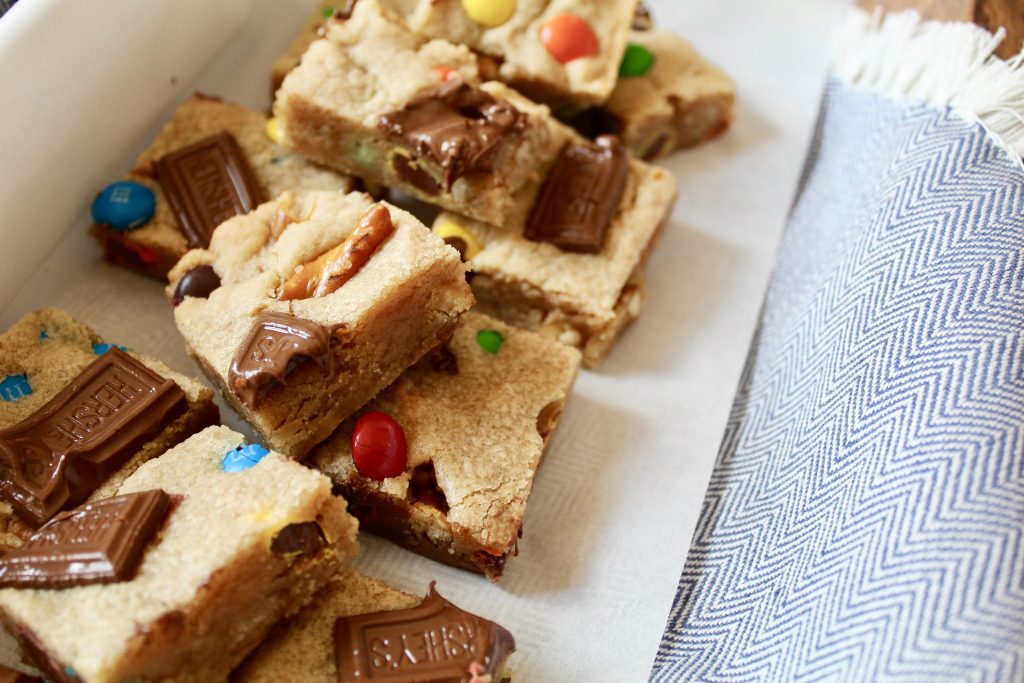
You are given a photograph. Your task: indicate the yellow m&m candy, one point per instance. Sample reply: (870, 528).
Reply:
(457, 237)
(274, 131)
(489, 13)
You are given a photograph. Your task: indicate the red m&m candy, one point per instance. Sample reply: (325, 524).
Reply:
(568, 37)
(378, 446)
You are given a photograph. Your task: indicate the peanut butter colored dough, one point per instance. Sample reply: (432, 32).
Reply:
(476, 422)
(401, 302)
(210, 588)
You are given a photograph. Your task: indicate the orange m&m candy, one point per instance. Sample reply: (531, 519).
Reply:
(568, 37)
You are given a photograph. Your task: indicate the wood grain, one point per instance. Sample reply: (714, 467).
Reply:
(989, 14)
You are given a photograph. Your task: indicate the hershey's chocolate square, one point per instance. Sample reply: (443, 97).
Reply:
(100, 542)
(580, 196)
(207, 183)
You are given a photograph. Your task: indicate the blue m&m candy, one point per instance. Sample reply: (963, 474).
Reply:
(100, 349)
(124, 205)
(14, 387)
(243, 457)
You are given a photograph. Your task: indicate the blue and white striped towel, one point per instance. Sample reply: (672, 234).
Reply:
(865, 518)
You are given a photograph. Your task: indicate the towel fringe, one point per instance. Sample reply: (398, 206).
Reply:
(899, 55)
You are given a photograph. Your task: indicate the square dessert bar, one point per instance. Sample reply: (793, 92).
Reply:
(582, 299)
(306, 308)
(211, 161)
(553, 51)
(356, 627)
(373, 98)
(219, 552)
(78, 415)
(475, 417)
(672, 99)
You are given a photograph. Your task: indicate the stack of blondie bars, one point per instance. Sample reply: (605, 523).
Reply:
(400, 379)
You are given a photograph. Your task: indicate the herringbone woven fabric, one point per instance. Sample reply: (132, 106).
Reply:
(864, 521)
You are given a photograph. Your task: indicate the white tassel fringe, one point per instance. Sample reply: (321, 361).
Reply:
(942, 64)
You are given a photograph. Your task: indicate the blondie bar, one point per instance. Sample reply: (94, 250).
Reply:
(240, 548)
(582, 299)
(679, 100)
(475, 417)
(373, 98)
(359, 628)
(212, 160)
(77, 416)
(312, 304)
(554, 51)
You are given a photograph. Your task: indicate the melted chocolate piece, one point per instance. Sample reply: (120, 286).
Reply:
(442, 359)
(344, 12)
(415, 175)
(302, 538)
(458, 125)
(276, 343)
(580, 196)
(11, 676)
(198, 282)
(207, 183)
(100, 542)
(434, 641)
(57, 457)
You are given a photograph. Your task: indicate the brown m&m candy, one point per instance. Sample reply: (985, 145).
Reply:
(434, 641)
(199, 282)
(100, 542)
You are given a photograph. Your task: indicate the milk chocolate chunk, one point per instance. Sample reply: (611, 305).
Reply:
(276, 344)
(53, 670)
(301, 538)
(580, 196)
(642, 19)
(207, 183)
(11, 676)
(458, 125)
(55, 458)
(434, 641)
(198, 282)
(100, 542)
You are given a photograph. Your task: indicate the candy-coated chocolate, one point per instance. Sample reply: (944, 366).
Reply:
(100, 349)
(199, 282)
(274, 130)
(43, 336)
(489, 13)
(490, 341)
(328, 12)
(14, 387)
(567, 37)
(378, 446)
(445, 72)
(458, 237)
(637, 61)
(243, 457)
(124, 205)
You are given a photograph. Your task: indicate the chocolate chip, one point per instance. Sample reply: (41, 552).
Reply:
(423, 487)
(443, 360)
(303, 538)
(198, 282)
(415, 176)
(458, 244)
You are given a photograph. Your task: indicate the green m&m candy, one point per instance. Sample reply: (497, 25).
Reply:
(490, 341)
(637, 61)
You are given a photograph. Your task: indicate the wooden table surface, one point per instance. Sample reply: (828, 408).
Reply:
(989, 14)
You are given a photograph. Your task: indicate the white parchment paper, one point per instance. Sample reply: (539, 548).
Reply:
(614, 507)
